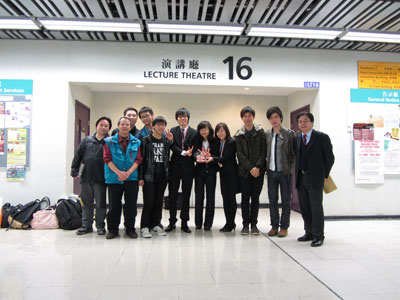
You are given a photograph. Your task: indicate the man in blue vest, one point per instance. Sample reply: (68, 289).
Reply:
(122, 158)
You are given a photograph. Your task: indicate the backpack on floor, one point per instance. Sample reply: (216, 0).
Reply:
(69, 213)
(22, 216)
(6, 210)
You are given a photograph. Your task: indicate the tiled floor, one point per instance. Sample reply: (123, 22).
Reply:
(360, 260)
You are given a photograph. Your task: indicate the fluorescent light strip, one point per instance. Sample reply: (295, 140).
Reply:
(18, 24)
(294, 33)
(90, 26)
(195, 29)
(371, 37)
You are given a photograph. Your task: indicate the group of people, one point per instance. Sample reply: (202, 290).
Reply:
(130, 158)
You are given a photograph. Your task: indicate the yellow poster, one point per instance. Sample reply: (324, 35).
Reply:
(378, 75)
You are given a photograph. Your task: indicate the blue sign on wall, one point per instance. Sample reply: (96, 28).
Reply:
(375, 96)
(311, 84)
(15, 87)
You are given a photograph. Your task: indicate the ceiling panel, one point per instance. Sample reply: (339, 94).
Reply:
(325, 14)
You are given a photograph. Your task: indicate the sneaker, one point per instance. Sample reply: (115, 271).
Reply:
(83, 230)
(254, 230)
(145, 233)
(101, 231)
(159, 231)
(245, 230)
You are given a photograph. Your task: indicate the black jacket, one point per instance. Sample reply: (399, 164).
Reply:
(177, 160)
(146, 168)
(228, 169)
(202, 168)
(89, 153)
(320, 158)
(253, 156)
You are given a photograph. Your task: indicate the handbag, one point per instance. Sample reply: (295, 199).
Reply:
(45, 219)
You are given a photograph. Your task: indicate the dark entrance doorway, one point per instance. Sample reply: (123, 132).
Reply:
(294, 126)
(82, 129)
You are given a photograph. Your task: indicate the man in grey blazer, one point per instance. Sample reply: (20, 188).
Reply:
(314, 161)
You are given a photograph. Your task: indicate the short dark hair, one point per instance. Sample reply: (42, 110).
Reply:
(145, 109)
(119, 120)
(247, 109)
(206, 124)
(128, 109)
(274, 110)
(182, 111)
(225, 127)
(159, 119)
(104, 118)
(307, 114)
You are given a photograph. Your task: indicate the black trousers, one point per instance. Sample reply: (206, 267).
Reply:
(115, 191)
(209, 181)
(251, 188)
(230, 207)
(174, 182)
(153, 194)
(312, 211)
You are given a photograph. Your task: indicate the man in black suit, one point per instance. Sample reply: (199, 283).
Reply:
(181, 169)
(314, 161)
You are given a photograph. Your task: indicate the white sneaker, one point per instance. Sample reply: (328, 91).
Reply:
(159, 231)
(145, 233)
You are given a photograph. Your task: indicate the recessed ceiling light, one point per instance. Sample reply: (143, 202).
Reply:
(211, 29)
(87, 25)
(140, 86)
(294, 32)
(18, 24)
(365, 36)
(246, 88)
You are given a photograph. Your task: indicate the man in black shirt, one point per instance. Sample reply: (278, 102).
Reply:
(153, 176)
(132, 114)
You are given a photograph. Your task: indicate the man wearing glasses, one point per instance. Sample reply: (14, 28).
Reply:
(146, 115)
(314, 161)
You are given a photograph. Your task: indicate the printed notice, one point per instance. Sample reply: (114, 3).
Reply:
(369, 165)
(378, 75)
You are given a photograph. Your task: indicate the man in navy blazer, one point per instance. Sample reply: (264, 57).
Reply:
(181, 169)
(314, 161)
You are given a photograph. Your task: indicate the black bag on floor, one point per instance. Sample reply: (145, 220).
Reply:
(23, 214)
(69, 213)
(6, 211)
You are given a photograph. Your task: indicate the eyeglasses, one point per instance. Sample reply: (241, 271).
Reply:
(145, 116)
(303, 122)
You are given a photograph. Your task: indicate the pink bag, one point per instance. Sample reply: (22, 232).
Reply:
(45, 219)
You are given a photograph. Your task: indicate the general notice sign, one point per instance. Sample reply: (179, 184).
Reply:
(378, 75)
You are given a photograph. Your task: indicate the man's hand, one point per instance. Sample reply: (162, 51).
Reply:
(255, 172)
(169, 135)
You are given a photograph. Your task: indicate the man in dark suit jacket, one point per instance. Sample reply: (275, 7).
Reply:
(181, 169)
(314, 161)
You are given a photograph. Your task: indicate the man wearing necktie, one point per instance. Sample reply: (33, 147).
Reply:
(181, 169)
(314, 161)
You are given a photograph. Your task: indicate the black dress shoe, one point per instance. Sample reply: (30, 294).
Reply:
(186, 229)
(170, 227)
(83, 230)
(206, 228)
(111, 235)
(198, 227)
(228, 228)
(132, 234)
(305, 238)
(101, 231)
(317, 242)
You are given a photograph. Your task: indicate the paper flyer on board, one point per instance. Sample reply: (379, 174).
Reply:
(16, 154)
(369, 162)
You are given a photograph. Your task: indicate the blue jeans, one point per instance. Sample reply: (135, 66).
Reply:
(276, 179)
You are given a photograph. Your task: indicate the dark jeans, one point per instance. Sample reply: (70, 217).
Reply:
(93, 195)
(153, 194)
(251, 188)
(208, 180)
(115, 191)
(174, 182)
(312, 211)
(230, 207)
(276, 179)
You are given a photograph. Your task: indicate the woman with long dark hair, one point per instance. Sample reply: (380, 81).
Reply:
(229, 178)
(206, 147)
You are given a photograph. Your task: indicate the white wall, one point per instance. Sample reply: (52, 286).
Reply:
(52, 65)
